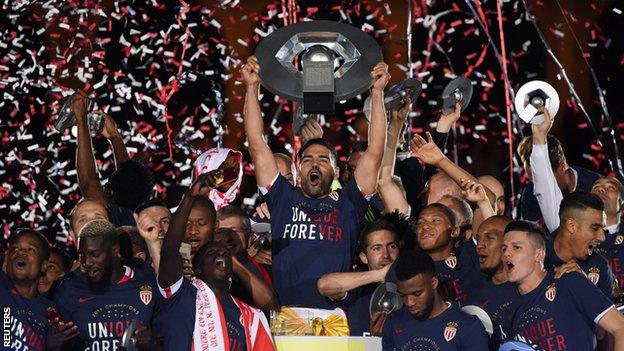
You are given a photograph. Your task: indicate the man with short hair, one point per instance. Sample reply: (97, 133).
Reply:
(28, 311)
(59, 264)
(378, 248)
(611, 192)
(497, 293)
(104, 297)
(436, 233)
(201, 313)
(314, 229)
(553, 314)
(498, 189)
(426, 321)
(286, 167)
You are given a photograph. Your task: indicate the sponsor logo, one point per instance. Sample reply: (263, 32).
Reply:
(450, 331)
(551, 292)
(451, 261)
(145, 294)
(399, 330)
(83, 299)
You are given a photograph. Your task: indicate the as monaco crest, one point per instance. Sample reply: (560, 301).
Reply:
(551, 292)
(450, 331)
(451, 261)
(145, 294)
(594, 275)
(334, 196)
(619, 239)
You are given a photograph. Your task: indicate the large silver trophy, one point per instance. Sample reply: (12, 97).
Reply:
(317, 64)
(66, 118)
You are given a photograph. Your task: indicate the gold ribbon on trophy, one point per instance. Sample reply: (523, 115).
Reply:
(298, 321)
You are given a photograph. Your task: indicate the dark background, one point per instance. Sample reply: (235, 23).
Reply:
(127, 55)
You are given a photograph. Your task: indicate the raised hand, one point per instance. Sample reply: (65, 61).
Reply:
(60, 332)
(110, 127)
(447, 121)
(380, 76)
(472, 191)
(249, 72)
(540, 131)
(80, 100)
(143, 336)
(401, 114)
(149, 228)
(311, 130)
(426, 150)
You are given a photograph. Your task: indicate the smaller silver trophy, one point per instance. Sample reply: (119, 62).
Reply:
(66, 118)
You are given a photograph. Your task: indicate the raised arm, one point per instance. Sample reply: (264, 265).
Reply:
(261, 155)
(391, 194)
(88, 179)
(429, 153)
(149, 231)
(613, 322)
(370, 162)
(170, 269)
(336, 285)
(545, 186)
(262, 295)
(111, 133)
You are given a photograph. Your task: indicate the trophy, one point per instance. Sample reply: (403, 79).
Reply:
(457, 90)
(533, 95)
(385, 299)
(66, 118)
(128, 340)
(317, 64)
(393, 98)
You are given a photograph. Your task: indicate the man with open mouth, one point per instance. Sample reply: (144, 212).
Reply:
(576, 222)
(553, 314)
(201, 314)
(30, 314)
(104, 297)
(314, 229)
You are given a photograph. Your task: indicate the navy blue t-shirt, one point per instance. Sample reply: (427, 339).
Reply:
(595, 266)
(177, 314)
(311, 237)
(102, 316)
(28, 321)
(495, 299)
(450, 330)
(468, 253)
(358, 311)
(560, 314)
(119, 216)
(238, 289)
(613, 250)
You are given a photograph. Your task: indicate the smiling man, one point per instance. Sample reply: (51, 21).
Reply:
(314, 229)
(554, 314)
(27, 310)
(104, 296)
(426, 321)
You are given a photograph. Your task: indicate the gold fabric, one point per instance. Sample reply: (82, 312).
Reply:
(293, 321)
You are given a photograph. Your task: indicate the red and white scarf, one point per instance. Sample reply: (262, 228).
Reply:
(210, 331)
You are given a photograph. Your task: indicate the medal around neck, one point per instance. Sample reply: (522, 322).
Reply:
(317, 63)
(457, 90)
(385, 299)
(533, 95)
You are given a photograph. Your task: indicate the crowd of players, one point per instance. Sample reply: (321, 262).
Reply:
(200, 278)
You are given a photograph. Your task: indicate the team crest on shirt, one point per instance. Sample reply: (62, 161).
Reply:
(551, 292)
(619, 239)
(451, 261)
(334, 195)
(594, 275)
(450, 331)
(145, 294)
